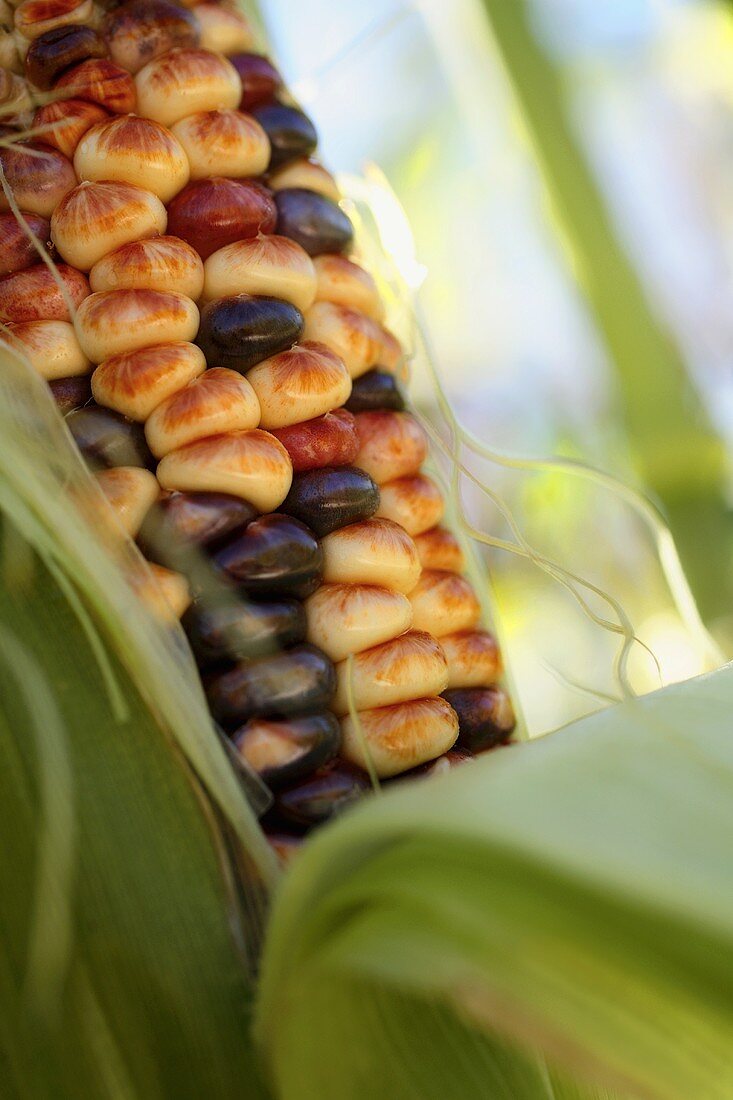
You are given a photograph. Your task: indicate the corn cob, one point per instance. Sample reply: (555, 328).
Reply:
(206, 323)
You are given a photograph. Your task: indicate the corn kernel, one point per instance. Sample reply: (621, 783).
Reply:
(374, 551)
(348, 618)
(131, 493)
(223, 142)
(361, 342)
(39, 294)
(38, 176)
(473, 659)
(184, 81)
(100, 81)
(307, 174)
(439, 549)
(36, 17)
(251, 465)
(50, 346)
(119, 321)
(63, 123)
(153, 263)
(396, 738)
(412, 666)
(444, 603)
(299, 384)
(218, 401)
(416, 503)
(392, 445)
(344, 283)
(264, 266)
(96, 218)
(136, 382)
(133, 150)
(224, 30)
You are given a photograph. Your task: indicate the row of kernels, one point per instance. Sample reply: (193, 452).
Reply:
(392, 448)
(361, 616)
(137, 30)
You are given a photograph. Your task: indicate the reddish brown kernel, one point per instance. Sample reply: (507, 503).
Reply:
(17, 250)
(212, 213)
(328, 440)
(35, 294)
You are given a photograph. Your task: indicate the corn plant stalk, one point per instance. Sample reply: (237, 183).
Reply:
(679, 457)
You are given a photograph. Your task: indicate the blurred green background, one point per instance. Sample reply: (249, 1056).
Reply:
(566, 167)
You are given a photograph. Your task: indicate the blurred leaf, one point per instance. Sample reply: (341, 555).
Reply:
(133, 875)
(56, 507)
(678, 454)
(570, 897)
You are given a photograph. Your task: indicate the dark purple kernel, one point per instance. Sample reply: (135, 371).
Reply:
(315, 222)
(240, 628)
(52, 53)
(309, 743)
(323, 795)
(260, 79)
(197, 519)
(106, 438)
(240, 331)
(71, 393)
(485, 717)
(374, 391)
(332, 497)
(274, 556)
(291, 133)
(301, 681)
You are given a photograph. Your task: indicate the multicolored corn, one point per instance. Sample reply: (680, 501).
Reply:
(224, 366)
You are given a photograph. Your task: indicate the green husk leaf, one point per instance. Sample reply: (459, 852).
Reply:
(134, 876)
(565, 902)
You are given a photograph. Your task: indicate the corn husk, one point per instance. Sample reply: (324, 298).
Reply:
(557, 916)
(134, 874)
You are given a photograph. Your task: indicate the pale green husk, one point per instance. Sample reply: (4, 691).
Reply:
(570, 897)
(133, 875)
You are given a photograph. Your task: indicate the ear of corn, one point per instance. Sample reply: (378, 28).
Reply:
(245, 397)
